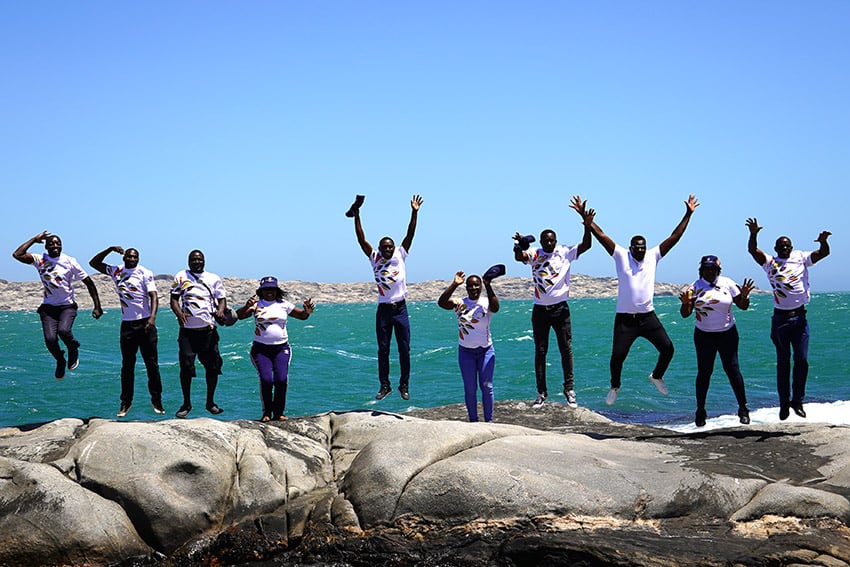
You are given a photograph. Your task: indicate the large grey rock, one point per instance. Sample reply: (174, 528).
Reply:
(798, 501)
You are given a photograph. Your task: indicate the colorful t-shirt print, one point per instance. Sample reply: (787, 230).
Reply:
(390, 275)
(57, 277)
(473, 322)
(199, 295)
(551, 273)
(713, 304)
(133, 286)
(270, 321)
(789, 279)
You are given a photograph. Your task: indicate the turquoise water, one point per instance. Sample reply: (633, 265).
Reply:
(334, 364)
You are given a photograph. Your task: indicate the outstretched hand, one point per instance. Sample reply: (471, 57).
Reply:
(686, 296)
(42, 236)
(460, 277)
(416, 202)
(308, 305)
(748, 286)
(823, 236)
(753, 225)
(692, 203)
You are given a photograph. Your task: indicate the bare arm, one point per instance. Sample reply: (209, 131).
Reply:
(96, 312)
(690, 206)
(174, 303)
(361, 236)
(752, 243)
(304, 311)
(415, 203)
(603, 238)
(491, 296)
(21, 253)
(823, 252)
(742, 300)
(151, 322)
(446, 301)
(98, 261)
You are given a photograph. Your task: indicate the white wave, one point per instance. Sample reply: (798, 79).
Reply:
(834, 413)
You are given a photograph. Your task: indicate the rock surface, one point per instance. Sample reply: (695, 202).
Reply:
(543, 486)
(16, 296)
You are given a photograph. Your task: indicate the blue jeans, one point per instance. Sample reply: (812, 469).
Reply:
(544, 318)
(476, 369)
(393, 317)
(708, 346)
(56, 323)
(272, 364)
(787, 334)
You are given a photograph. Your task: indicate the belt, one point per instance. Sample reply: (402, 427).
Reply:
(554, 306)
(394, 304)
(788, 313)
(636, 316)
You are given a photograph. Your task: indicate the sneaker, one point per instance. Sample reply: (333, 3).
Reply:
(571, 398)
(382, 393)
(73, 358)
(183, 412)
(539, 401)
(157, 407)
(124, 409)
(60, 368)
(744, 415)
(659, 384)
(612, 396)
(798, 408)
(405, 395)
(784, 411)
(699, 421)
(214, 409)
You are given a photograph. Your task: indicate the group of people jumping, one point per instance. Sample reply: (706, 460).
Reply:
(198, 301)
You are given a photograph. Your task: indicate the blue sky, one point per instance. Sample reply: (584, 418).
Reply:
(246, 129)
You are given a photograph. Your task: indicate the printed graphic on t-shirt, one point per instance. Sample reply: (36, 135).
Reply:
(196, 299)
(467, 319)
(51, 279)
(784, 277)
(386, 274)
(545, 273)
(705, 302)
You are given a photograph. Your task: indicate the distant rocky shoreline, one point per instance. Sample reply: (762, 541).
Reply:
(24, 296)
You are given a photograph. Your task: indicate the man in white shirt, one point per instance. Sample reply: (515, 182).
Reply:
(58, 272)
(635, 315)
(139, 304)
(788, 273)
(388, 265)
(198, 300)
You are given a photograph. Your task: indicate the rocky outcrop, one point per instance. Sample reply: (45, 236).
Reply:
(543, 486)
(16, 296)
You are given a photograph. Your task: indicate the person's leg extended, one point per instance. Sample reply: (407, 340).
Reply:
(654, 332)
(540, 326)
(564, 334)
(466, 360)
(401, 323)
(384, 333)
(625, 333)
(800, 346)
(485, 381)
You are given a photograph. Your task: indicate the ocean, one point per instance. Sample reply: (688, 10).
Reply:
(334, 366)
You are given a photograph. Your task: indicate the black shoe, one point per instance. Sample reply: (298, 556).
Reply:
(60, 368)
(157, 407)
(700, 418)
(798, 408)
(382, 393)
(214, 409)
(183, 412)
(538, 403)
(358, 202)
(405, 395)
(744, 415)
(73, 358)
(784, 411)
(124, 409)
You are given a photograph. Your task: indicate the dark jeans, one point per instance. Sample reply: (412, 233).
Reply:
(272, 364)
(708, 346)
(787, 334)
(393, 317)
(544, 318)
(202, 343)
(56, 323)
(627, 328)
(134, 338)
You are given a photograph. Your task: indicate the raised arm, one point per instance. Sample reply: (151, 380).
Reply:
(520, 255)
(415, 203)
(587, 216)
(305, 310)
(21, 253)
(603, 238)
(361, 236)
(96, 311)
(98, 260)
(491, 295)
(823, 252)
(446, 301)
(752, 243)
(690, 206)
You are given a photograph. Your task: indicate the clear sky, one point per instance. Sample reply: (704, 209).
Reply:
(246, 128)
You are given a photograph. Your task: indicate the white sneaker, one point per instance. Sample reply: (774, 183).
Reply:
(571, 398)
(538, 403)
(659, 384)
(612, 396)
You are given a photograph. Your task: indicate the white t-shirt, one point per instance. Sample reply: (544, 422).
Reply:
(195, 297)
(635, 280)
(551, 273)
(789, 279)
(713, 305)
(390, 275)
(473, 322)
(270, 321)
(57, 277)
(133, 287)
